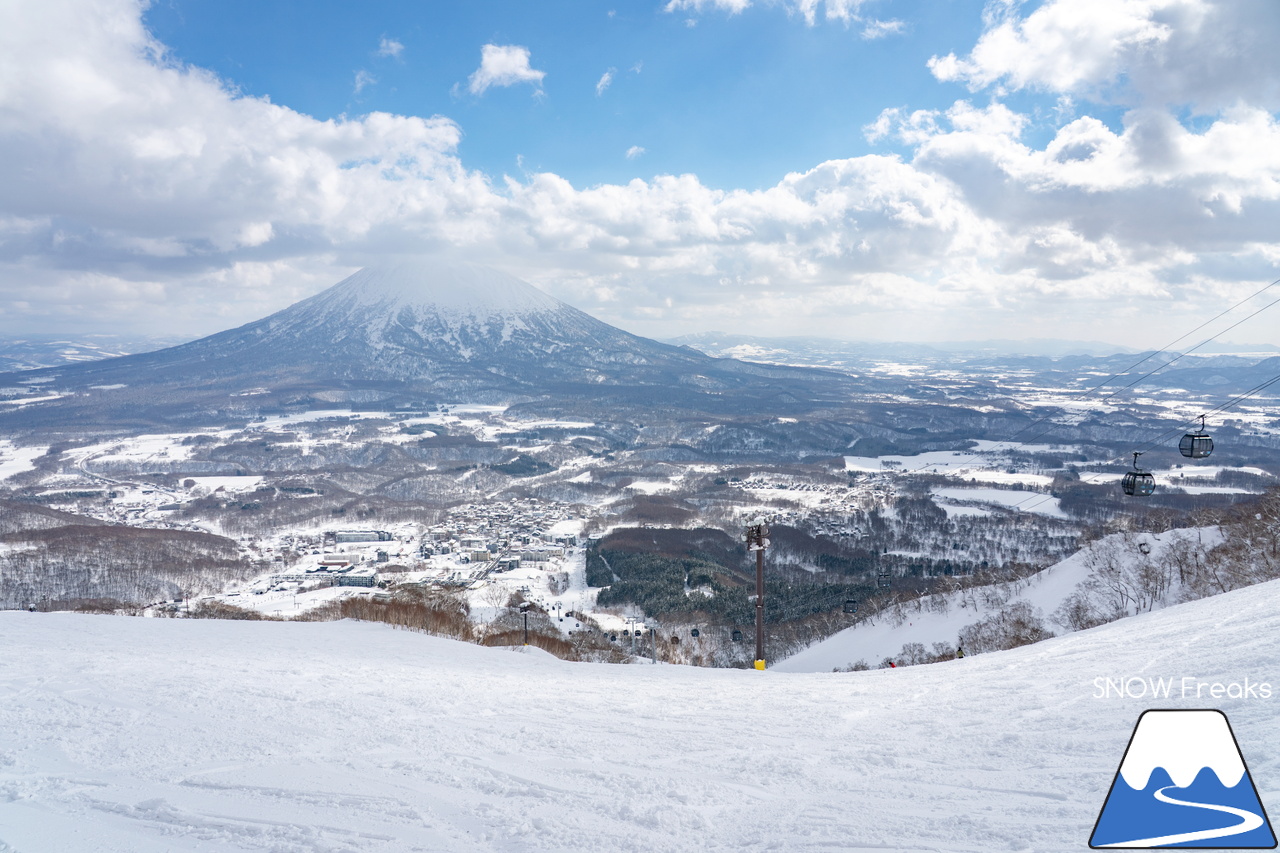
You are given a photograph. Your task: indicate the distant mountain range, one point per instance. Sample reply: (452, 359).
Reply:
(32, 352)
(1217, 368)
(819, 350)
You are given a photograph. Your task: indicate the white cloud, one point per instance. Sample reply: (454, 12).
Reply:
(363, 79)
(503, 65)
(634, 151)
(844, 11)
(145, 194)
(909, 128)
(1209, 54)
(389, 47)
(733, 7)
(877, 29)
(603, 83)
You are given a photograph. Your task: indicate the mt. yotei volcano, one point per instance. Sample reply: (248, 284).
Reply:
(401, 335)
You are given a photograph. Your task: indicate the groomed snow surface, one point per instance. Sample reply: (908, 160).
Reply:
(149, 735)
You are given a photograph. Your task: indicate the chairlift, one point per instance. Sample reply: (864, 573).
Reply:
(737, 635)
(1196, 445)
(1138, 483)
(850, 606)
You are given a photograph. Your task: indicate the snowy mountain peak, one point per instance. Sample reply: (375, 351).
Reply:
(1183, 743)
(448, 289)
(403, 333)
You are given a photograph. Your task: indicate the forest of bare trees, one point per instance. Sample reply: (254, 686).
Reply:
(71, 559)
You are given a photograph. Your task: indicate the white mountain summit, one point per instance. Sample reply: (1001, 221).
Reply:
(459, 290)
(450, 310)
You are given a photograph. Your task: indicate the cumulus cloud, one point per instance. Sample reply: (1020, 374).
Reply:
(503, 65)
(1209, 54)
(389, 47)
(603, 83)
(634, 151)
(134, 189)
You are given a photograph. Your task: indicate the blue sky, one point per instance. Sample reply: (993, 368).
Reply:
(868, 169)
(738, 99)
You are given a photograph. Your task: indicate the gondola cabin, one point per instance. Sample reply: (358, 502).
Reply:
(1138, 483)
(695, 633)
(737, 635)
(1196, 445)
(850, 606)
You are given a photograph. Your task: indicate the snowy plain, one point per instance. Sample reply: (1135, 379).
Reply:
(150, 735)
(14, 460)
(1025, 501)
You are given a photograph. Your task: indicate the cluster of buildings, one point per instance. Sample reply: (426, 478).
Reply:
(474, 542)
(502, 536)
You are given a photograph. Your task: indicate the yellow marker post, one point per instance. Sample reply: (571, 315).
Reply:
(759, 664)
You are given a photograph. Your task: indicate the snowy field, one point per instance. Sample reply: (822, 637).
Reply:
(149, 735)
(14, 460)
(975, 462)
(243, 483)
(1024, 501)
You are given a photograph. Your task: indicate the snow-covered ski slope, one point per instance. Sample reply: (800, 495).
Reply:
(150, 735)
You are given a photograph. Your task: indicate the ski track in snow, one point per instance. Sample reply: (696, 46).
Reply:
(152, 735)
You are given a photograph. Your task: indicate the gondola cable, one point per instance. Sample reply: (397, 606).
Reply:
(1013, 440)
(1140, 379)
(1257, 389)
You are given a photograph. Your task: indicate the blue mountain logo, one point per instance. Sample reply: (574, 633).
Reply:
(1183, 783)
